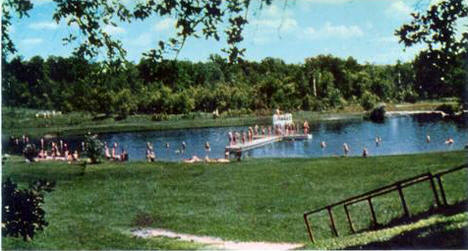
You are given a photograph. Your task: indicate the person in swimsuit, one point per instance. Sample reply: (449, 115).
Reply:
(150, 156)
(345, 149)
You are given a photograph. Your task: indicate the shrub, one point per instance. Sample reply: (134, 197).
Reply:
(22, 214)
(447, 108)
(159, 117)
(93, 147)
(378, 114)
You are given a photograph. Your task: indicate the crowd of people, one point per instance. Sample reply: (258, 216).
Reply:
(243, 137)
(113, 154)
(57, 149)
(53, 150)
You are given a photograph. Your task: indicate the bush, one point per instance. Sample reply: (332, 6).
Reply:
(30, 152)
(377, 114)
(447, 108)
(93, 147)
(159, 117)
(22, 214)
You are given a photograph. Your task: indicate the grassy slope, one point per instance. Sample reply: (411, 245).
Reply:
(257, 200)
(17, 121)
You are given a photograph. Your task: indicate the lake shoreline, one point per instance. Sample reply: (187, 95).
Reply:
(55, 127)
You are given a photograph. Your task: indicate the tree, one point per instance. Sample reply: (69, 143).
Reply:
(446, 49)
(200, 18)
(22, 214)
(94, 148)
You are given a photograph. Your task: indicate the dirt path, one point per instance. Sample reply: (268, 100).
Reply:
(215, 242)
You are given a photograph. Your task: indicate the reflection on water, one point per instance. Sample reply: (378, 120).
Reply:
(402, 134)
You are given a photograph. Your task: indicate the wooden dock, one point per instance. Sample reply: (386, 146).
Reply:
(260, 141)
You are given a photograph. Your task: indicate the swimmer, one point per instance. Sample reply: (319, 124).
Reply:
(323, 144)
(183, 146)
(377, 142)
(167, 145)
(230, 138)
(428, 138)
(365, 153)
(226, 154)
(207, 147)
(345, 149)
(150, 156)
(449, 141)
(306, 127)
(115, 155)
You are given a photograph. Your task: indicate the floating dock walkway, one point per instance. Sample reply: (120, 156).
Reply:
(260, 141)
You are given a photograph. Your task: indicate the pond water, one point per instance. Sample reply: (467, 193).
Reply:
(400, 135)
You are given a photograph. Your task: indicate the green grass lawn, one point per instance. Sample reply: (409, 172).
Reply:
(254, 200)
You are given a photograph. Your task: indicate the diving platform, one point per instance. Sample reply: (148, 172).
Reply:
(282, 124)
(260, 141)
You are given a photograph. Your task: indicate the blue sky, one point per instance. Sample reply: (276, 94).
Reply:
(362, 29)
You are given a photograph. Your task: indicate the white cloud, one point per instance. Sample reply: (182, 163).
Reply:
(114, 30)
(398, 9)
(165, 24)
(287, 24)
(329, 30)
(143, 40)
(31, 41)
(43, 26)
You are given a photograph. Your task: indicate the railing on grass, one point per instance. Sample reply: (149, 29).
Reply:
(397, 186)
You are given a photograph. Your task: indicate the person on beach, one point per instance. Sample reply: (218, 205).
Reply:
(115, 155)
(428, 138)
(75, 156)
(226, 154)
(306, 127)
(124, 155)
(192, 160)
(256, 130)
(42, 142)
(345, 149)
(263, 131)
(269, 131)
(106, 151)
(243, 137)
(150, 156)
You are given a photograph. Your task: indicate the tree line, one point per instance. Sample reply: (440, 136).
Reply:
(179, 87)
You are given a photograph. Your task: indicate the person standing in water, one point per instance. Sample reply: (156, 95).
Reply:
(323, 144)
(345, 149)
(306, 127)
(207, 148)
(428, 138)
(365, 153)
(183, 146)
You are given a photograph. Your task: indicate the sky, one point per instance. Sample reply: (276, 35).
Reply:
(289, 30)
